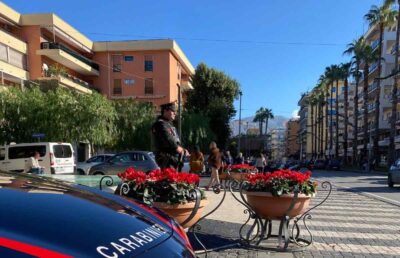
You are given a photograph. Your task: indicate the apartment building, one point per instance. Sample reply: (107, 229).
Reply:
(292, 146)
(44, 49)
(277, 145)
(372, 37)
(304, 129)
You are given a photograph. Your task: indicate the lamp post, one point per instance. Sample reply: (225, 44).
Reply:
(240, 119)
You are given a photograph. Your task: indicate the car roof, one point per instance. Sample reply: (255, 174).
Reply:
(141, 152)
(33, 210)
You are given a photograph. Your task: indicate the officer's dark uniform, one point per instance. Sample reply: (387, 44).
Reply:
(166, 140)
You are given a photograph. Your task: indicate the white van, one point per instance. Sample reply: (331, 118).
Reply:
(56, 158)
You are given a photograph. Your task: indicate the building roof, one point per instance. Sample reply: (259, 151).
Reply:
(143, 45)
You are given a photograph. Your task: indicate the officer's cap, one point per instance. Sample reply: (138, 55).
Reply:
(168, 107)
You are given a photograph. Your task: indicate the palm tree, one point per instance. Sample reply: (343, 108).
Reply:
(259, 118)
(267, 114)
(379, 16)
(355, 49)
(367, 56)
(312, 101)
(333, 75)
(345, 72)
(392, 148)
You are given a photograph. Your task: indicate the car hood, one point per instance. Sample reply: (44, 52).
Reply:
(74, 220)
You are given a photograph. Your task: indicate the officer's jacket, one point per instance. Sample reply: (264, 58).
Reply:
(166, 138)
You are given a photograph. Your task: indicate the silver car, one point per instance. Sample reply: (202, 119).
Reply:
(139, 160)
(394, 174)
(82, 168)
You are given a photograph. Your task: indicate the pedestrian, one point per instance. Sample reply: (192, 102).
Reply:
(32, 164)
(169, 151)
(196, 161)
(239, 159)
(214, 161)
(228, 158)
(260, 163)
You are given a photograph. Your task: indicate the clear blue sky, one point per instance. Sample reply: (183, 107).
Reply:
(271, 75)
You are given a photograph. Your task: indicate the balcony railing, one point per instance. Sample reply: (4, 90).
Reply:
(375, 44)
(372, 87)
(372, 67)
(53, 45)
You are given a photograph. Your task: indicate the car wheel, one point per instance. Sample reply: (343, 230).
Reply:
(98, 173)
(390, 182)
(80, 171)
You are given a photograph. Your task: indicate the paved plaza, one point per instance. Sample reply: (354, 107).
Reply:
(347, 225)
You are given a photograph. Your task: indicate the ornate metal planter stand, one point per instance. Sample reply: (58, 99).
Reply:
(289, 229)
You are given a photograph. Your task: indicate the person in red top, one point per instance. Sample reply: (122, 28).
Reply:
(215, 162)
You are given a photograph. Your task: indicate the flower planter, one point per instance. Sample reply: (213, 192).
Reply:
(238, 176)
(180, 212)
(268, 206)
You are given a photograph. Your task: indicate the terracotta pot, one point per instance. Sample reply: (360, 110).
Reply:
(268, 206)
(180, 212)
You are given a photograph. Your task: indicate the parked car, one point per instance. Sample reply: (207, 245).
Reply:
(394, 174)
(334, 164)
(82, 168)
(56, 158)
(320, 164)
(35, 209)
(140, 160)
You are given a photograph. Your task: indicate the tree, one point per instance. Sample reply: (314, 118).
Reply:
(382, 17)
(196, 130)
(259, 118)
(355, 49)
(332, 74)
(392, 148)
(133, 125)
(367, 56)
(345, 70)
(62, 115)
(267, 114)
(213, 95)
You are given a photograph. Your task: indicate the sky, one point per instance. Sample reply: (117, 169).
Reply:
(275, 49)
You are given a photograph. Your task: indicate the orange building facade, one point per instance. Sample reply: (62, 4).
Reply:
(43, 47)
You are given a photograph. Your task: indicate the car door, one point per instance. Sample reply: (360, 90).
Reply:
(138, 161)
(119, 163)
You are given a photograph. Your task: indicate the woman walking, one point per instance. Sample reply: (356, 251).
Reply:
(214, 161)
(196, 161)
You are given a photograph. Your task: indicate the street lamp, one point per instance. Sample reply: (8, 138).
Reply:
(240, 118)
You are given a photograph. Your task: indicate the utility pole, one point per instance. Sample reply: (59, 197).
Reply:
(240, 119)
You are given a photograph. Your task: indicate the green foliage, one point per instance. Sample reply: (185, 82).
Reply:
(213, 96)
(64, 115)
(57, 69)
(196, 130)
(133, 124)
(61, 114)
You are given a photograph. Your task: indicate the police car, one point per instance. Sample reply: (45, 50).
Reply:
(45, 217)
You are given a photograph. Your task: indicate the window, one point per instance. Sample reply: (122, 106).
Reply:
(148, 63)
(117, 63)
(117, 89)
(333, 89)
(96, 159)
(148, 87)
(129, 81)
(24, 152)
(138, 157)
(62, 151)
(128, 58)
(2, 154)
(179, 68)
(122, 158)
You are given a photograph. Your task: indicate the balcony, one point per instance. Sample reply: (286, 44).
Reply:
(372, 87)
(373, 67)
(13, 42)
(70, 82)
(68, 58)
(375, 44)
(371, 107)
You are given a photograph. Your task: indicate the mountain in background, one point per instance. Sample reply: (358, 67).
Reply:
(277, 122)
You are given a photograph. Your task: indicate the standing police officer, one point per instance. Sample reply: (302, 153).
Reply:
(169, 152)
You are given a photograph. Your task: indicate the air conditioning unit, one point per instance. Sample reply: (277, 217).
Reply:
(46, 45)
